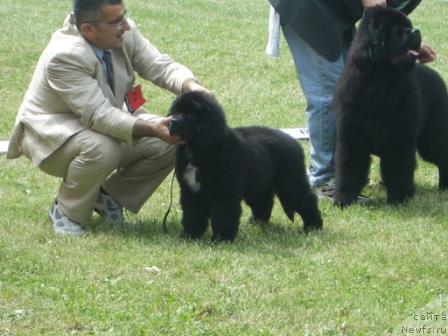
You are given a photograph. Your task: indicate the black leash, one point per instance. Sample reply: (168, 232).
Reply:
(165, 228)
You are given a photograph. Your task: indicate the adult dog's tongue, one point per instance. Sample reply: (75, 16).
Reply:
(413, 53)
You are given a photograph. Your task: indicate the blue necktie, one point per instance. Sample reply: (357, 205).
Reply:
(107, 58)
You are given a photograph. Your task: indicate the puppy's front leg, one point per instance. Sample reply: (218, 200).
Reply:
(195, 215)
(225, 220)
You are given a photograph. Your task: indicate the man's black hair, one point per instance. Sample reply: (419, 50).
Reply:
(90, 10)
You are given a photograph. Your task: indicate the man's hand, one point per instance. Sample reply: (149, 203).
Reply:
(426, 53)
(373, 3)
(156, 128)
(191, 84)
(162, 128)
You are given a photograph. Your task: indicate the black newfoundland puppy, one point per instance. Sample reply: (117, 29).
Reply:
(388, 105)
(218, 166)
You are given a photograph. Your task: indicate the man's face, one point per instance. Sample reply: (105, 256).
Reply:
(107, 32)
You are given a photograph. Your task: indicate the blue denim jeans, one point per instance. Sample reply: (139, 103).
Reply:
(317, 77)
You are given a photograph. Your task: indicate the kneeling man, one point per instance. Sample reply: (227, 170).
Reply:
(81, 118)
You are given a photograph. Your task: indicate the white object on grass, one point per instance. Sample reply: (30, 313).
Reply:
(297, 133)
(4, 146)
(272, 47)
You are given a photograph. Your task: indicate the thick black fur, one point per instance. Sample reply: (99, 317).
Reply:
(219, 166)
(388, 105)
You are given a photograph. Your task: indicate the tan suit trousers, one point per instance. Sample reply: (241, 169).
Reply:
(89, 160)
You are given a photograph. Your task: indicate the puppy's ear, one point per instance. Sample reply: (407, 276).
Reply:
(174, 106)
(212, 115)
(212, 125)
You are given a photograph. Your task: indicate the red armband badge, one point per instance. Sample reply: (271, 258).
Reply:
(134, 98)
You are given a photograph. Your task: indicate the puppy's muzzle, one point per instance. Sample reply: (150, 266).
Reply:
(174, 126)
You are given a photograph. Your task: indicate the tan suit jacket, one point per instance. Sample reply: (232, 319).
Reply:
(69, 91)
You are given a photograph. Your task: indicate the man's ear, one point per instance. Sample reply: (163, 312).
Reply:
(87, 30)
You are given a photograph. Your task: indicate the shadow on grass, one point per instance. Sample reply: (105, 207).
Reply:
(428, 201)
(341, 226)
(276, 235)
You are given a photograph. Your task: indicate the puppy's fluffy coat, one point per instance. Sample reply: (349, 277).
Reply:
(219, 166)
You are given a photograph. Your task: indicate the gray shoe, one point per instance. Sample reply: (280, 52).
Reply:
(62, 224)
(109, 209)
(326, 191)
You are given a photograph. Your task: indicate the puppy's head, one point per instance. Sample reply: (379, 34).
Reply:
(385, 38)
(197, 118)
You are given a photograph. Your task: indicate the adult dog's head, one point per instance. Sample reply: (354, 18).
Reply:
(385, 39)
(197, 118)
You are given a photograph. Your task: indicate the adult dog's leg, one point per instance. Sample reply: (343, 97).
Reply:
(352, 169)
(225, 219)
(440, 159)
(443, 177)
(429, 151)
(195, 215)
(397, 171)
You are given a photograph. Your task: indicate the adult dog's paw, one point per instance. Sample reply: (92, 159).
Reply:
(344, 200)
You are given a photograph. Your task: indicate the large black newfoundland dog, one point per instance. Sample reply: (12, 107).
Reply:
(218, 166)
(388, 105)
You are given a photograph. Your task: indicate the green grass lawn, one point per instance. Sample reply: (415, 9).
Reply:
(368, 271)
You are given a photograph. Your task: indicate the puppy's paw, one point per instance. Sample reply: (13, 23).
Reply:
(217, 239)
(189, 236)
(315, 227)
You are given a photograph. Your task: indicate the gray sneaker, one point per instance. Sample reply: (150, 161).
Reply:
(326, 191)
(62, 224)
(109, 209)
